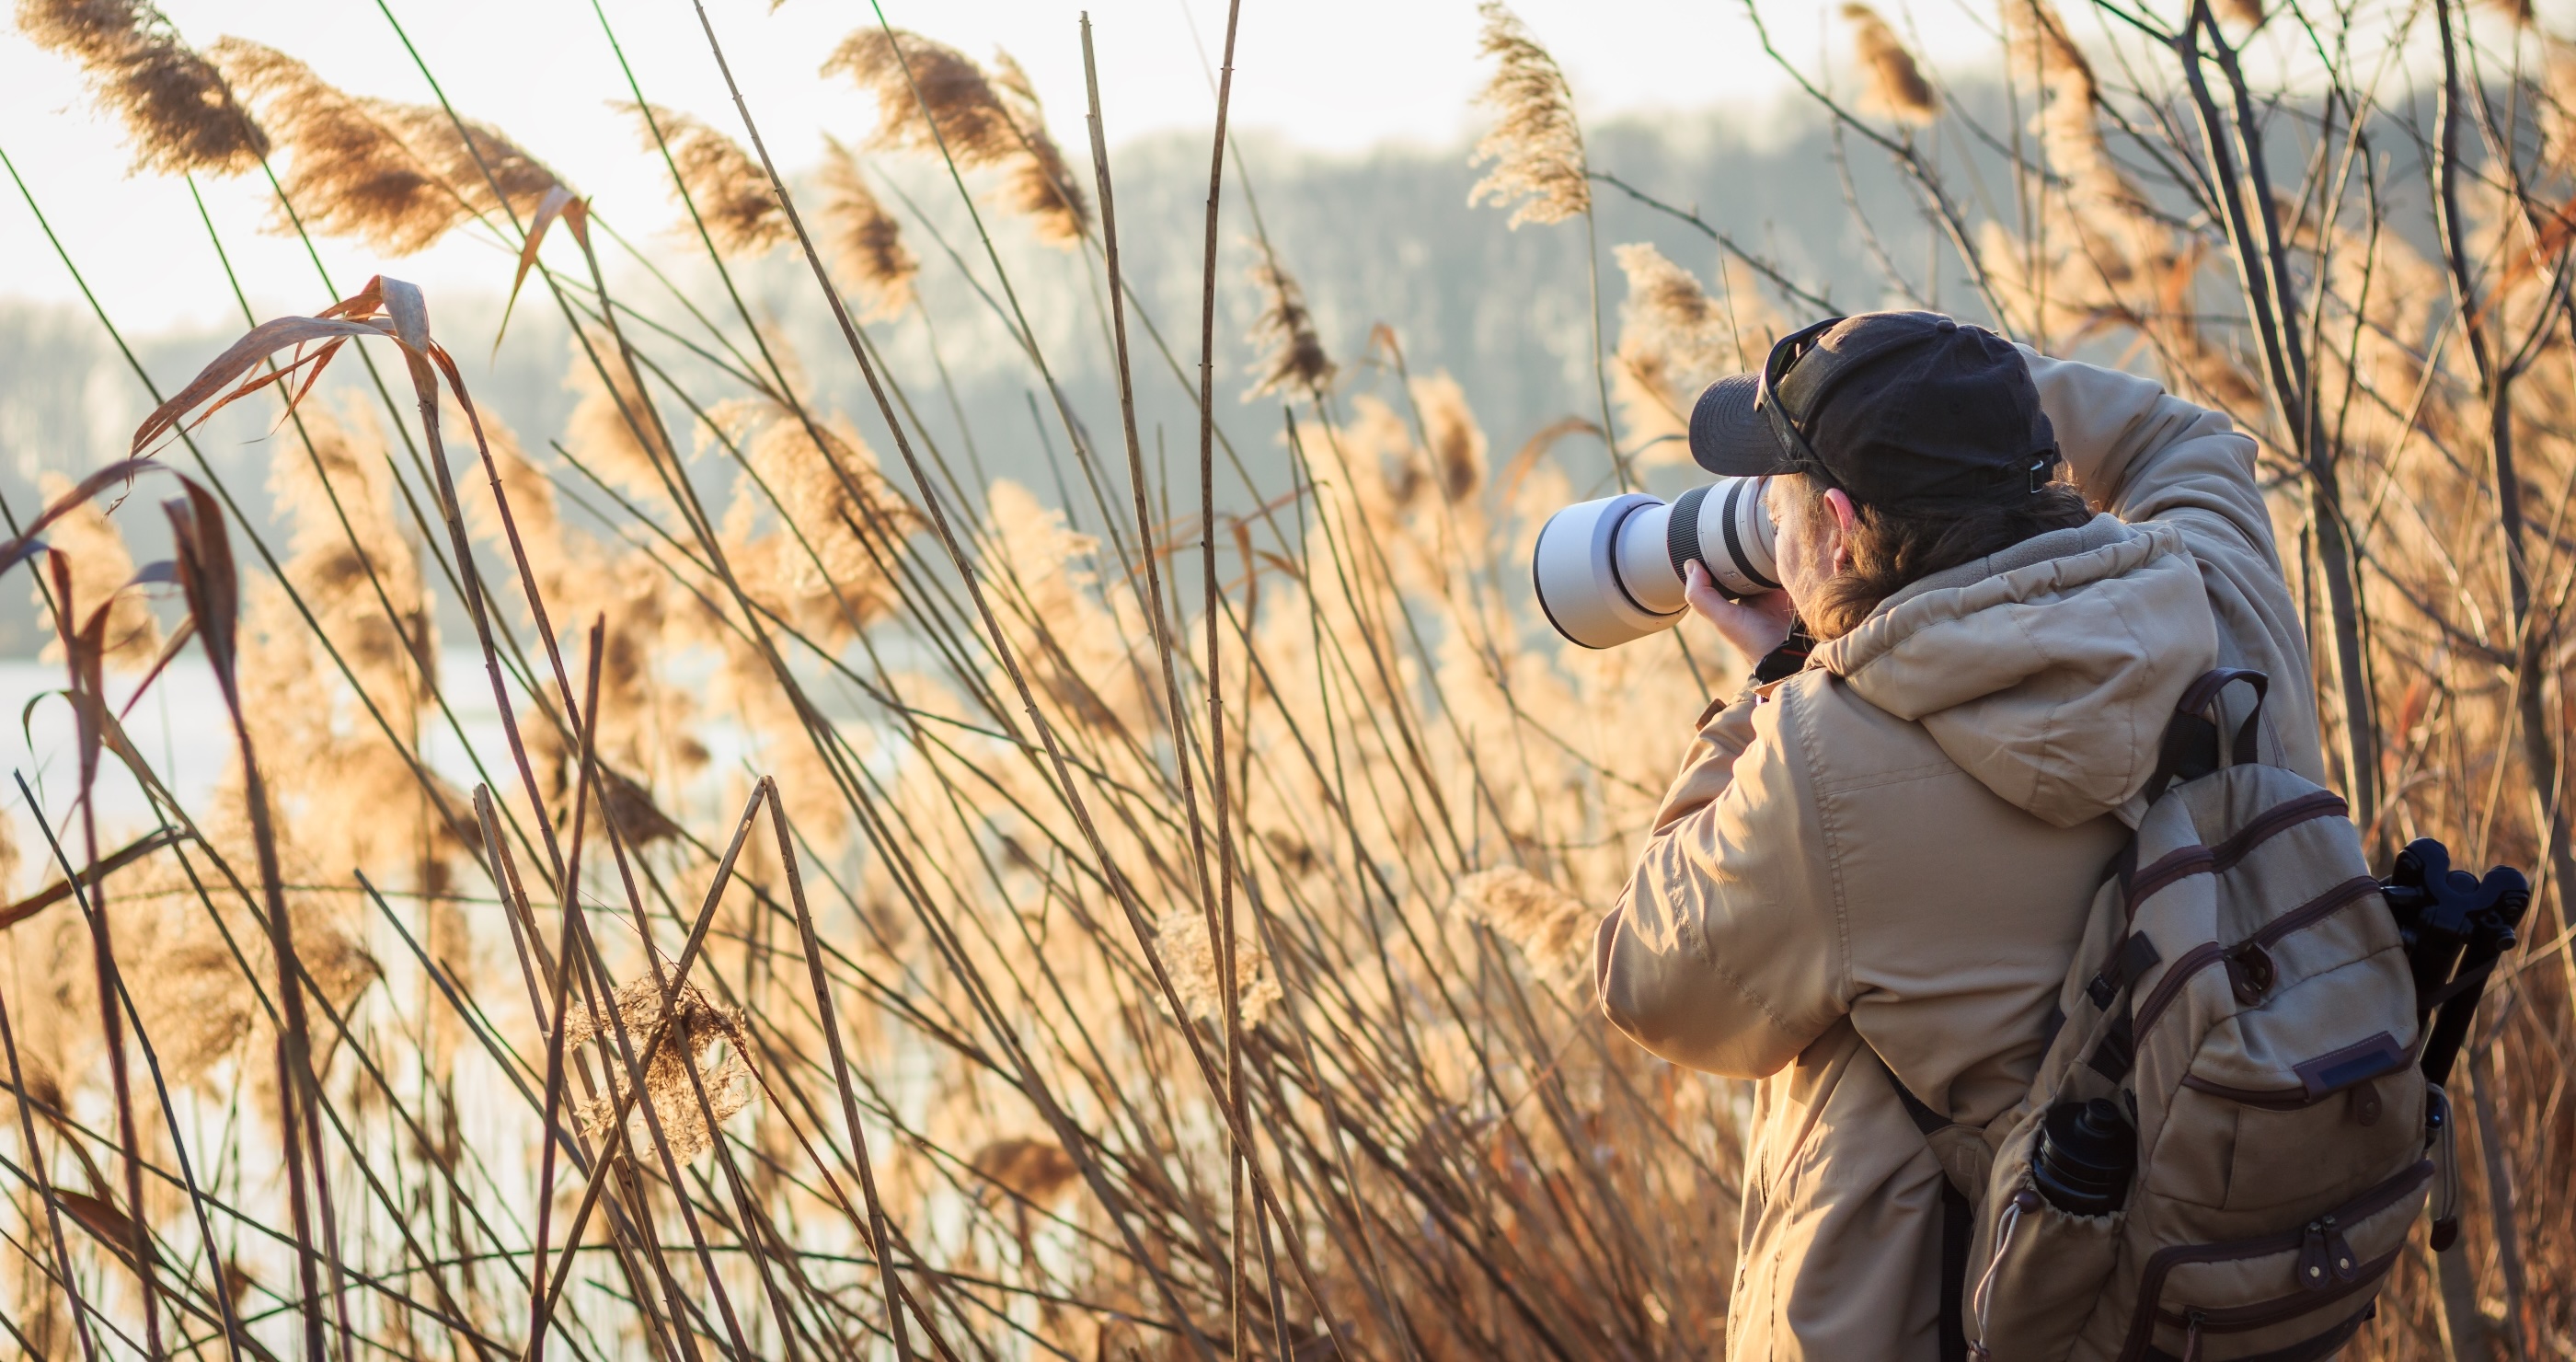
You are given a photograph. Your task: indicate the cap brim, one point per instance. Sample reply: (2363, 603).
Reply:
(1728, 437)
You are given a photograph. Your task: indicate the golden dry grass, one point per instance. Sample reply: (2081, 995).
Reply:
(820, 957)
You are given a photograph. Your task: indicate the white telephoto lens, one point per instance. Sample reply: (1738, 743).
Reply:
(1576, 571)
(1610, 571)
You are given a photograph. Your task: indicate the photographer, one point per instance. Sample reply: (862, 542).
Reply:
(1876, 860)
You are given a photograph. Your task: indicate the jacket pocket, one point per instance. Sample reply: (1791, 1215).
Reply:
(2043, 1280)
(2283, 1297)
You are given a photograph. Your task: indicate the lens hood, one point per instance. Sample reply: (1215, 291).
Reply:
(1575, 570)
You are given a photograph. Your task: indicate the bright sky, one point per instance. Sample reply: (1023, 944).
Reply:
(1331, 75)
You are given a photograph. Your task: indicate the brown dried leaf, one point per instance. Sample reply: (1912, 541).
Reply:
(228, 368)
(208, 578)
(60, 890)
(113, 1227)
(558, 202)
(27, 545)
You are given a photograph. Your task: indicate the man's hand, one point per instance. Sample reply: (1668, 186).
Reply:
(1754, 626)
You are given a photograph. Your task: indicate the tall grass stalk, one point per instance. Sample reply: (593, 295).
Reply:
(1127, 971)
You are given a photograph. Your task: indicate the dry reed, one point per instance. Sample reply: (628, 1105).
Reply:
(1675, 340)
(396, 176)
(866, 241)
(1535, 144)
(949, 1052)
(1896, 87)
(177, 109)
(102, 576)
(680, 1036)
(726, 188)
(1295, 357)
(932, 97)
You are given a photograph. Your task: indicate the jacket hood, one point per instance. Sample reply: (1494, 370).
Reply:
(2048, 670)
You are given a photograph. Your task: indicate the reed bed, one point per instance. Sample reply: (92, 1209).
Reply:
(1151, 921)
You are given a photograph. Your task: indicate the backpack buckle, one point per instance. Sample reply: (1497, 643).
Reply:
(2250, 973)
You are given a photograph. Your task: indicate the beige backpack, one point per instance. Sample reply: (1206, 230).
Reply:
(2244, 1003)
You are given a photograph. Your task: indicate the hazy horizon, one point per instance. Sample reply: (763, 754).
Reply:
(546, 76)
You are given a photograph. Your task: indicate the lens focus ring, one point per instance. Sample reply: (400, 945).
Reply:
(1681, 532)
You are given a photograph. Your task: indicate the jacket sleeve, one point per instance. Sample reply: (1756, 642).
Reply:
(2142, 454)
(1724, 951)
(2145, 455)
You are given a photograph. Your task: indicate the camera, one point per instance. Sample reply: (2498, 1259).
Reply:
(1611, 570)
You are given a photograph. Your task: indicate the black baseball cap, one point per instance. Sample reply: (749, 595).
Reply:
(1888, 406)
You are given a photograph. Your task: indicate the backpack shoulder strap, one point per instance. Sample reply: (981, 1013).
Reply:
(1965, 1159)
(2190, 748)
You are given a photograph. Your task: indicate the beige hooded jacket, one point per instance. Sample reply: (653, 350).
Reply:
(1898, 844)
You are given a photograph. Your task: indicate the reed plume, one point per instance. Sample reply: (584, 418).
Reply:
(396, 176)
(1675, 340)
(611, 431)
(865, 240)
(535, 513)
(2036, 39)
(1552, 928)
(1457, 442)
(350, 560)
(730, 191)
(1181, 937)
(815, 560)
(1294, 355)
(1041, 185)
(1896, 87)
(2107, 260)
(931, 97)
(193, 1005)
(2554, 113)
(1037, 1171)
(101, 567)
(1536, 145)
(695, 1025)
(179, 113)
(1083, 650)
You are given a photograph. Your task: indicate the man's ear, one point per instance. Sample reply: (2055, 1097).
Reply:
(1846, 516)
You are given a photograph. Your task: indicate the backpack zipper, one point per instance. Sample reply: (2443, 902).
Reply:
(2297, 1098)
(2200, 957)
(2262, 1314)
(2269, 1099)
(2187, 861)
(2160, 1264)
(2183, 863)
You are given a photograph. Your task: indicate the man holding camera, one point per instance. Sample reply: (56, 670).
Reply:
(1875, 862)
